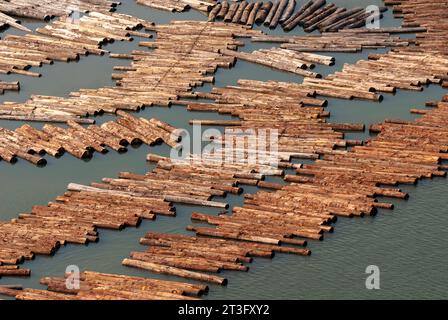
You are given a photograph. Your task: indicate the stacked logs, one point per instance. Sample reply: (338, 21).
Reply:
(13, 271)
(117, 203)
(74, 218)
(45, 10)
(241, 238)
(186, 55)
(284, 60)
(353, 40)
(103, 286)
(312, 15)
(196, 257)
(9, 86)
(31, 144)
(288, 108)
(340, 184)
(179, 5)
(344, 184)
(407, 68)
(6, 20)
(206, 167)
(431, 15)
(386, 73)
(64, 41)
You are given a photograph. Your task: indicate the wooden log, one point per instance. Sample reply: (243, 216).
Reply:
(273, 10)
(289, 10)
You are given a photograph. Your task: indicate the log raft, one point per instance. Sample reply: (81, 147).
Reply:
(281, 59)
(103, 286)
(13, 271)
(157, 77)
(343, 184)
(197, 257)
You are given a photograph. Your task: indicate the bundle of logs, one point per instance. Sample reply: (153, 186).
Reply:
(31, 144)
(312, 15)
(117, 203)
(185, 56)
(103, 286)
(196, 257)
(205, 168)
(290, 109)
(352, 40)
(65, 41)
(179, 5)
(407, 70)
(47, 9)
(9, 86)
(74, 218)
(284, 60)
(343, 184)
(7, 21)
(13, 271)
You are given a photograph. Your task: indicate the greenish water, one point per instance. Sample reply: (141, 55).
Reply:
(408, 244)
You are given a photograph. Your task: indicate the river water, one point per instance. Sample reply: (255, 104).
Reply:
(408, 244)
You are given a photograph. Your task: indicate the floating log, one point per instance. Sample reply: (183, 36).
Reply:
(119, 287)
(263, 12)
(214, 12)
(284, 60)
(64, 42)
(48, 9)
(278, 13)
(289, 9)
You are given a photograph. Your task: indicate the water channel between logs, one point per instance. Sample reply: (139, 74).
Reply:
(408, 244)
